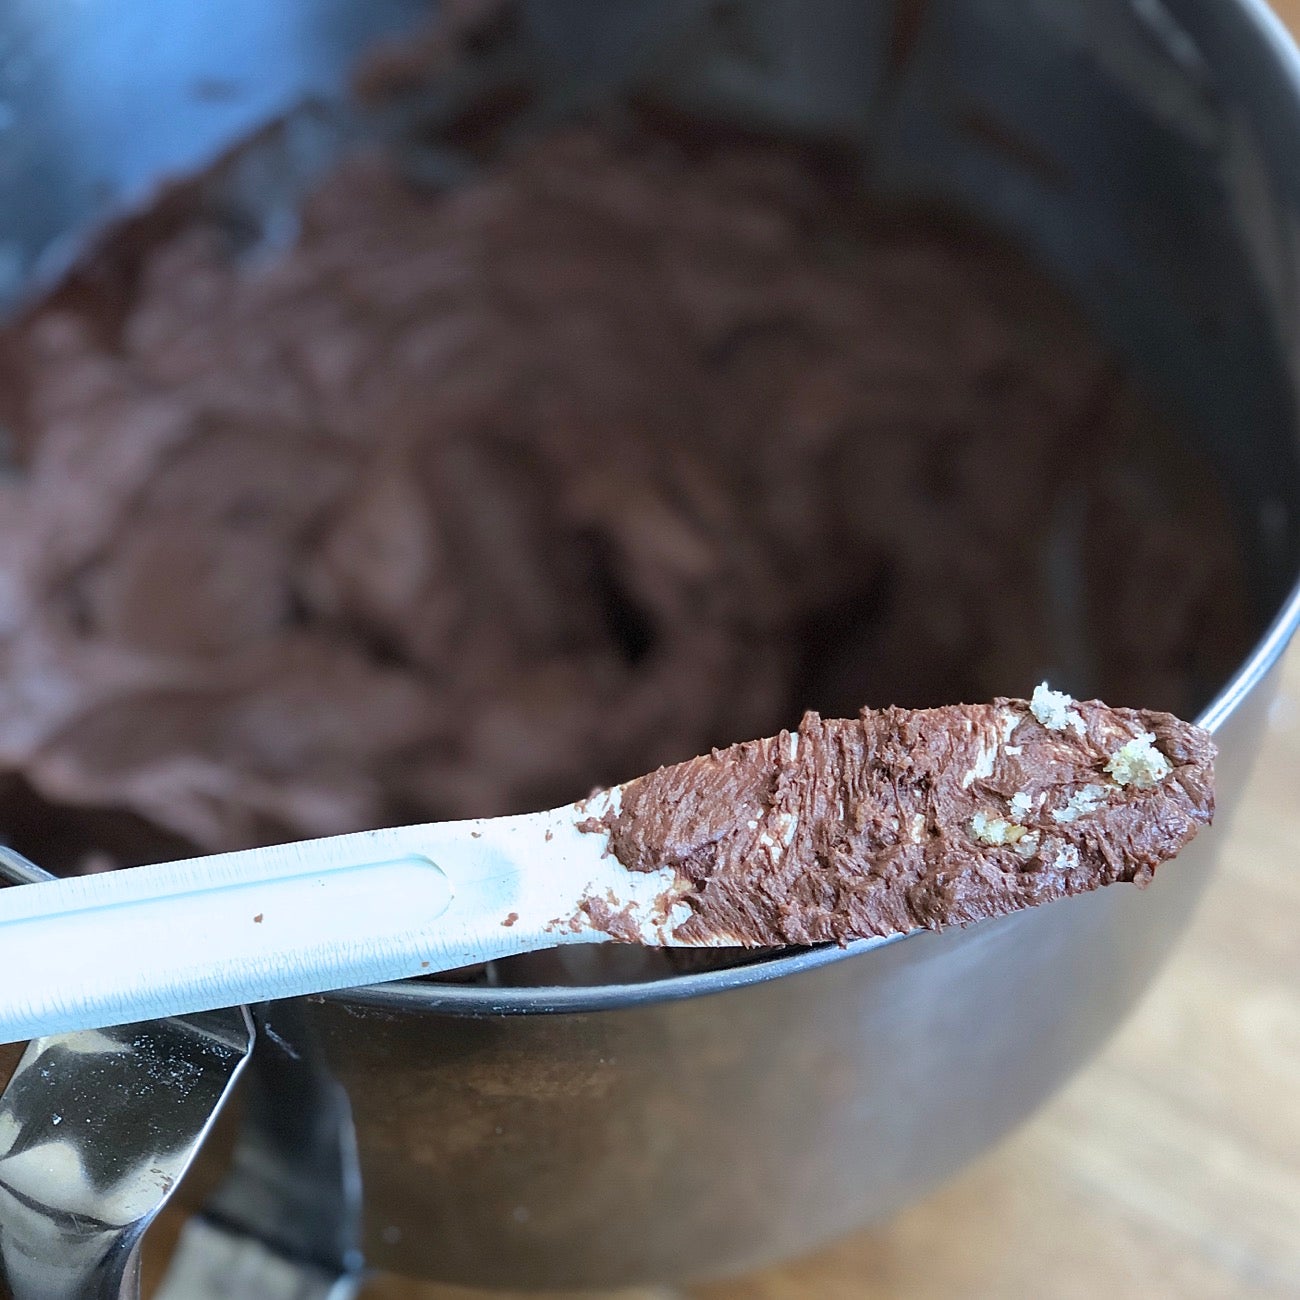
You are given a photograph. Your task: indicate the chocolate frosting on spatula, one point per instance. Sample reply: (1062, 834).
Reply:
(903, 818)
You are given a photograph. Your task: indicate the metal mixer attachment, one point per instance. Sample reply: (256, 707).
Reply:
(97, 1129)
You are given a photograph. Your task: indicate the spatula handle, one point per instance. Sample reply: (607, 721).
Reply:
(214, 932)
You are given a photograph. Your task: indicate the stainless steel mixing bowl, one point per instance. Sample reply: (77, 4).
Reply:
(1146, 151)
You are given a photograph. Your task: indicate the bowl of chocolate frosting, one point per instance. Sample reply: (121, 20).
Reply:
(409, 420)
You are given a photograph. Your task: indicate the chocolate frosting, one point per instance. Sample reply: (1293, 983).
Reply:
(903, 819)
(635, 443)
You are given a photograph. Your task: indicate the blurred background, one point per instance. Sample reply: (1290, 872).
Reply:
(1171, 1166)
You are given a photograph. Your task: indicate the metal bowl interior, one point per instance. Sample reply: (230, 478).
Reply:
(1199, 113)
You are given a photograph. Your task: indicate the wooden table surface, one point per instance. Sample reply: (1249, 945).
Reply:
(1171, 1166)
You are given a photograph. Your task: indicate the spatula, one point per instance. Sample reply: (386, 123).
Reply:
(898, 819)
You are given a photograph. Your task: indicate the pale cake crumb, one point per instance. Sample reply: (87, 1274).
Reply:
(1049, 706)
(1067, 858)
(997, 831)
(1079, 804)
(1021, 806)
(1139, 762)
(1052, 709)
(1027, 844)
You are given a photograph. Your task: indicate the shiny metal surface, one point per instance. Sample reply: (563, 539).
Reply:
(99, 101)
(96, 1130)
(1146, 152)
(284, 1224)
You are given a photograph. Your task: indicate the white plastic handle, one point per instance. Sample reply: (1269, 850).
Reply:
(214, 932)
